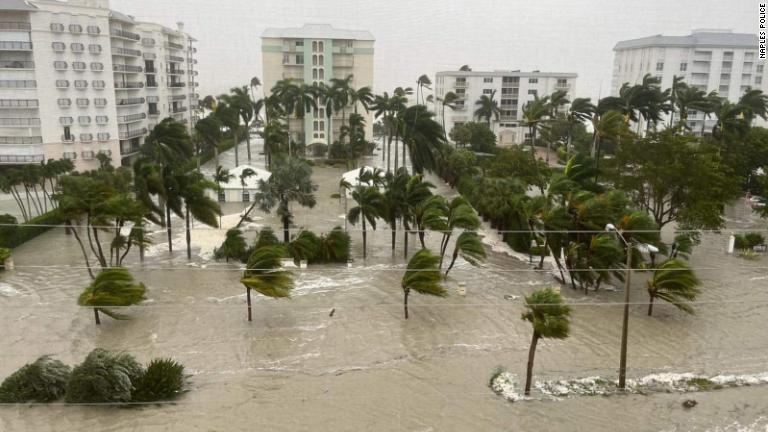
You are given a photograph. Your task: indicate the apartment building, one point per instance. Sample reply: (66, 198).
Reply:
(317, 53)
(712, 60)
(512, 90)
(78, 79)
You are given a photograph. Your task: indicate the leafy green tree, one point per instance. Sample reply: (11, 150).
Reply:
(334, 247)
(423, 137)
(209, 129)
(104, 377)
(422, 276)
(477, 135)
(550, 318)
(368, 208)
(534, 113)
(447, 101)
(674, 282)
(44, 380)
(233, 247)
(304, 246)
(488, 109)
(460, 215)
(113, 287)
(469, 246)
(193, 188)
(263, 274)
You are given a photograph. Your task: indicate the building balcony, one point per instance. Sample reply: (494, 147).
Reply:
(19, 122)
(21, 139)
(176, 59)
(124, 135)
(177, 98)
(16, 64)
(129, 85)
(173, 45)
(173, 71)
(132, 118)
(123, 34)
(152, 70)
(130, 101)
(176, 85)
(126, 68)
(177, 110)
(12, 26)
(154, 113)
(68, 139)
(151, 84)
(19, 104)
(560, 86)
(21, 159)
(15, 46)
(129, 148)
(461, 84)
(125, 52)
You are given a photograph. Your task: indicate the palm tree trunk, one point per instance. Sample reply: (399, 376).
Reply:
(248, 300)
(286, 231)
(405, 301)
(444, 246)
(20, 204)
(96, 316)
(421, 236)
(389, 151)
(406, 228)
(531, 355)
(248, 141)
(237, 158)
(650, 306)
(168, 226)
(397, 140)
(189, 233)
(394, 233)
(453, 261)
(543, 252)
(82, 248)
(216, 154)
(364, 239)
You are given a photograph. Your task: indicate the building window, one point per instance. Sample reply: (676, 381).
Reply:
(82, 102)
(727, 65)
(81, 84)
(102, 136)
(222, 197)
(153, 108)
(79, 66)
(300, 44)
(86, 137)
(67, 134)
(725, 77)
(320, 46)
(102, 120)
(286, 59)
(84, 120)
(299, 59)
(314, 46)
(759, 68)
(97, 67)
(533, 80)
(321, 60)
(58, 46)
(62, 83)
(322, 74)
(77, 47)
(66, 121)
(659, 66)
(100, 102)
(75, 28)
(99, 84)
(246, 196)
(94, 49)
(60, 65)
(314, 60)
(758, 80)
(65, 102)
(487, 91)
(683, 67)
(69, 155)
(57, 27)
(533, 92)
(94, 30)
(728, 55)
(487, 80)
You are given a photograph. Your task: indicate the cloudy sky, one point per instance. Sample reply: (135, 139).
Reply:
(414, 37)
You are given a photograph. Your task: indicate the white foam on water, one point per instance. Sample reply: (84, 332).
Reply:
(9, 291)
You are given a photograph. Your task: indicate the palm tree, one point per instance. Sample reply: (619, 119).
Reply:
(678, 86)
(234, 246)
(344, 91)
(255, 83)
(470, 247)
(610, 125)
(753, 104)
(335, 100)
(687, 98)
(229, 115)
(209, 129)
(447, 101)
(488, 108)
(422, 83)
(369, 203)
(580, 111)
(245, 174)
(290, 181)
(362, 96)
(424, 138)
(193, 188)
(112, 287)
(549, 316)
(674, 282)
(263, 274)
(415, 200)
(534, 112)
(460, 215)
(241, 100)
(423, 277)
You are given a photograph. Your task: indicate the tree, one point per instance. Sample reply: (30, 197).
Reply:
(113, 287)
(228, 114)
(477, 135)
(470, 247)
(422, 276)
(674, 282)
(193, 189)
(550, 318)
(580, 111)
(209, 129)
(241, 100)
(234, 246)
(44, 380)
(368, 208)
(263, 274)
(423, 137)
(362, 96)
(460, 215)
(103, 377)
(422, 83)
(488, 108)
(447, 101)
(534, 112)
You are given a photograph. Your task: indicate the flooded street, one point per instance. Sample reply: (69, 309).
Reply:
(296, 368)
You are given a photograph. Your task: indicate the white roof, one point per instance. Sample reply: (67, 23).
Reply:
(698, 38)
(353, 178)
(317, 31)
(251, 182)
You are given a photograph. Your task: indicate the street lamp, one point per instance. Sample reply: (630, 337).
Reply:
(625, 323)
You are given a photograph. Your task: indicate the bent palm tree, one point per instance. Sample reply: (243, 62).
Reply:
(112, 287)
(675, 283)
(488, 108)
(422, 276)
(549, 316)
(469, 246)
(263, 275)
(368, 201)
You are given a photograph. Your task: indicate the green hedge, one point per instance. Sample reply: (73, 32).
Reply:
(14, 236)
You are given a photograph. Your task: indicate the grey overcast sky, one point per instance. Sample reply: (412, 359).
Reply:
(414, 37)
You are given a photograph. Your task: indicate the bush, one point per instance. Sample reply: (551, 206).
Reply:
(14, 236)
(45, 380)
(5, 253)
(162, 380)
(103, 377)
(319, 149)
(304, 246)
(748, 240)
(234, 247)
(334, 247)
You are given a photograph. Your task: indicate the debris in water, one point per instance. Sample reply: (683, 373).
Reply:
(689, 403)
(511, 297)
(332, 312)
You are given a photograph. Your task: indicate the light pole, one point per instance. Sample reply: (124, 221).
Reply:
(625, 322)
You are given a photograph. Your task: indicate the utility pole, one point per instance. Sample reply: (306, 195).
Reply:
(625, 323)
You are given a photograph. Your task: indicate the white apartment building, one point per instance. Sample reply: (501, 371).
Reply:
(712, 60)
(78, 79)
(317, 53)
(512, 90)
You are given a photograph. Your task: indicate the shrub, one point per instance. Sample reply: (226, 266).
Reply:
(754, 239)
(305, 246)
(334, 247)
(234, 247)
(45, 380)
(267, 237)
(103, 377)
(162, 380)
(13, 236)
(5, 253)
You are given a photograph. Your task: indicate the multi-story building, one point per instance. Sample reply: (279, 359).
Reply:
(78, 79)
(512, 90)
(317, 53)
(711, 60)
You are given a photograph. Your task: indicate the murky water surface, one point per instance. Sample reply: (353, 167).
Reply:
(366, 368)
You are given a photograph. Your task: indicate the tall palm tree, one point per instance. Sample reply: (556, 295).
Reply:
(678, 86)
(753, 103)
(221, 175)
(687, 98)
(447, 101)
(368, 208)
(112, 287)
(534, 112)
(415, 199)
(488, 108)
(263, 274)
(209, 129)
(255, 83)
(580, 111)
(344, 89)
(362, 96)
(469, 246)
(193, 188)
(423, 137)
(674, 282)
(610, 125)
(422, 83)
(550, 318)
(229, 115)
(422, 276)
(241, 99)
(335, 100)
(460, 215)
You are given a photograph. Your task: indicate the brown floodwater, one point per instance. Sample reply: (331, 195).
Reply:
(296, 368)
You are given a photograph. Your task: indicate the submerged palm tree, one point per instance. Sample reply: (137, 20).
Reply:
(263, 274)
(369, 202)
(549, 316)
(469, 246)
(675, 283)
(423, 277)
(112, 287)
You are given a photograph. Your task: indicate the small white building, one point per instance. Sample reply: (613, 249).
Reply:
(235, 191)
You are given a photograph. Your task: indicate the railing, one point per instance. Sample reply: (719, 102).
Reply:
(132, 134)
(176, 59)
(131, 118)
(19, 122)
(16, 64)
(15, 26)
(126, 68)
(124, 34)
(129, 85)
(128, 148)
(21, 140)
(6, 159)
(154, 113)
(130, 101)
(149, 42)
(177, 98)
(19, 103)
(173, 45)
(69, 139)
(126, 52)
(18, 84)
(151, 70)
(177, 110)
(15, 46)
(562, 86)
(151, 84)
(173, 71)
(461, 84)
(176, 84)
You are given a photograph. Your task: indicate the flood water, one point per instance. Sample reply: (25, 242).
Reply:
(295, 368)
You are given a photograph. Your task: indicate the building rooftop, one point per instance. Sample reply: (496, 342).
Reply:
(516, 73)
(699, 38)
(317, 31)
(16, 5)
